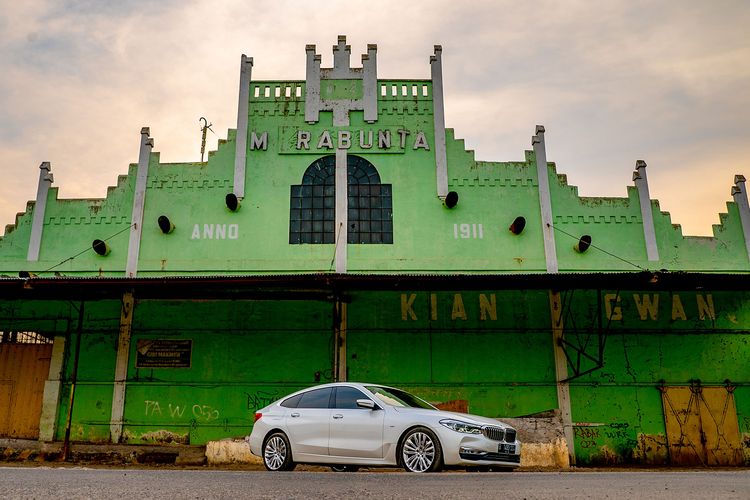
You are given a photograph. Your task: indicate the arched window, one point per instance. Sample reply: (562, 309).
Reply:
(312, 213)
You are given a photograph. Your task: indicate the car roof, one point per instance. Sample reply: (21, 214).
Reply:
(362, 385)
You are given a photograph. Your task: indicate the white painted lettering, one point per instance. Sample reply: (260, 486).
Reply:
(325, 140)
(303, 139)
(402, 133)
(362, 143)
(208, 231)
(221, 231)
(345, 139)
(384, 139)
(259, 142)
(234, 231)
(196, 232)
(421, 142)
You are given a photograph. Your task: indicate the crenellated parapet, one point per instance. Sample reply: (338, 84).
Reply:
(340, 173)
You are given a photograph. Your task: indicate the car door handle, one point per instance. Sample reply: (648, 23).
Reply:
(294, 415)
(338, 415)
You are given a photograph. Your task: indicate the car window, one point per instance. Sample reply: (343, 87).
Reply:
(317, 398)
(399, 398)
(291, 402)
(346, 397)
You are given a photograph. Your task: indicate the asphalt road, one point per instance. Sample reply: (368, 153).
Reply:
(78, 482)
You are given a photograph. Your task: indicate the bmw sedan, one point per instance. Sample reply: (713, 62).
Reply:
(348, 425)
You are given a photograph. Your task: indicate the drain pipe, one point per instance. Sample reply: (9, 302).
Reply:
(74, 378)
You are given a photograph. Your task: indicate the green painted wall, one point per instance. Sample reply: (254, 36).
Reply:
(497, 361)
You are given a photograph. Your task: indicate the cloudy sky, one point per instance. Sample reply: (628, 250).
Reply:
(613, 82)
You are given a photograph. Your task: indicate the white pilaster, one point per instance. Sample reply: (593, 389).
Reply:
(342, 202)
(51, 398)
(370, 83)
(240, 152)
(438, 113)
(545, 199)
(739, 193)
(561, 373)
(121, 367)
(649, 233)
(37, 224)
(312, 85)
(139, 200)
(340, 335)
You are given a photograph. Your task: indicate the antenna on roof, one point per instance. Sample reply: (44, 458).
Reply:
(204, 127)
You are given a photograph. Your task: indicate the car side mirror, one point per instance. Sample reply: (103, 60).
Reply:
(366, 403)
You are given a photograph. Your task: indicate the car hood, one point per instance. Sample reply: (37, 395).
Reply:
(464, 417)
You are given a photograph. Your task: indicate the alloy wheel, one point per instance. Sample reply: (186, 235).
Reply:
(418, 452)
(275, 452)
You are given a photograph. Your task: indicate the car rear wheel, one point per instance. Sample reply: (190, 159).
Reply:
(277, 453)
(420, 451)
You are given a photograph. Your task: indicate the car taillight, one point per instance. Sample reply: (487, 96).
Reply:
(257, 416)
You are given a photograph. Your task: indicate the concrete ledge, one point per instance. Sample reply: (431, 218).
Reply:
(230, 451)
(27, 449)
(542, 439)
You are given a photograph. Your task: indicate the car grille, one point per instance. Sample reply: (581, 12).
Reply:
(510, 435)
(493, 457)
(494, 433)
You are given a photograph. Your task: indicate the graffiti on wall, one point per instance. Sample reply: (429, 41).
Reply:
(260, 399)
(199, 412)
(594, 436)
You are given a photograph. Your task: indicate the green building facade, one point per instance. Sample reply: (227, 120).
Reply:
(341, 232)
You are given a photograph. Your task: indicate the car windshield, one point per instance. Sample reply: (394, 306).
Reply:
(399, 398)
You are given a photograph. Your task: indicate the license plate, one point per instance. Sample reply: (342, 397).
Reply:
(506, 448)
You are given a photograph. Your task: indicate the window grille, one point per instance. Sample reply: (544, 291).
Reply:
(312, 213)
(23, 338)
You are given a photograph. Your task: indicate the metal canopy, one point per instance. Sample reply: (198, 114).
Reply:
(326, 286)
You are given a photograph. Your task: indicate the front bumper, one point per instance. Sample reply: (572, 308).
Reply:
(476, 449)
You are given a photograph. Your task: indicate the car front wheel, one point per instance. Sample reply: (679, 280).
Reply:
(277, 453)
(420, 451)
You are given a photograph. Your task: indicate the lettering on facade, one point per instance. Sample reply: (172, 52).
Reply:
(487, 307)
(342, 139)
(645, 306)
(294, 140)
(215, 232)
(259, 142)
(468, 231)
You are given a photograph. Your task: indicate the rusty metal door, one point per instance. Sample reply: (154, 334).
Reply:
(701, 425)
(23, 371)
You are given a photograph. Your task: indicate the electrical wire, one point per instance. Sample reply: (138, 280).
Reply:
(599, 248)
(87, 249)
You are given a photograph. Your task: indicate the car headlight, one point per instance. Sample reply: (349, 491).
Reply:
(462, 427)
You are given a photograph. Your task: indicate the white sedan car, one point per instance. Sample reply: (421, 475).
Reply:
(348, 425)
